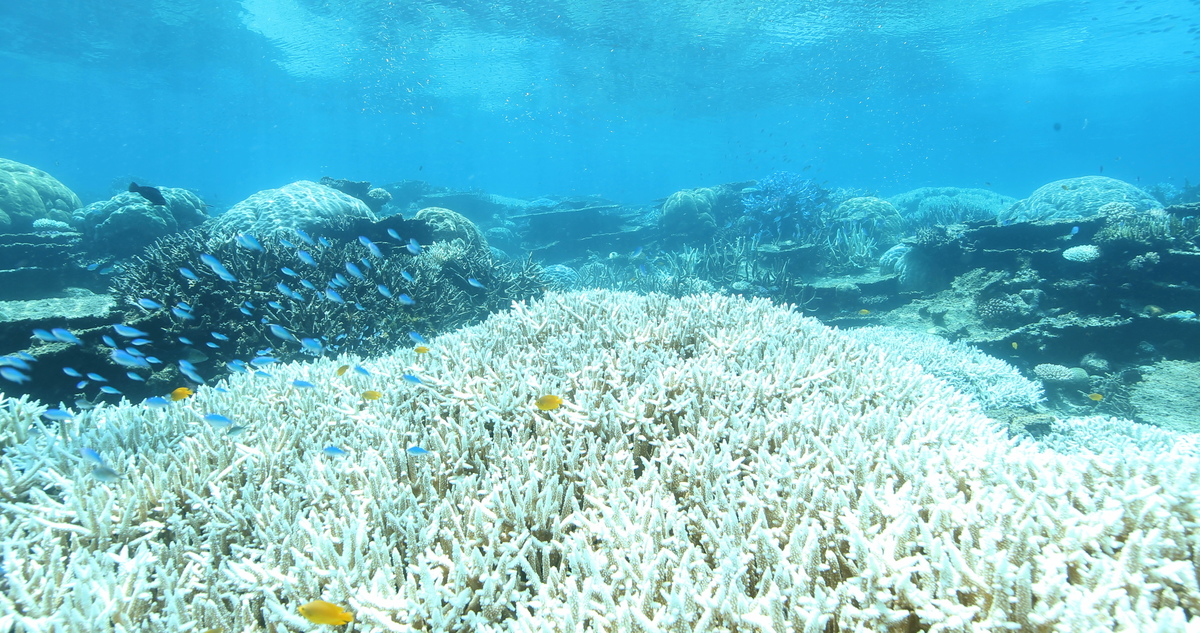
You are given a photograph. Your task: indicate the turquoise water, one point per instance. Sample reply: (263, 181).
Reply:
(631, 100)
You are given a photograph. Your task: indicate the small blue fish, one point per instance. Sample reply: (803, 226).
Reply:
(185, 340)
(238, 366)
(188, 273)
(304, 237)
(133, 351)
(153, 360)
(108, 340)
(333, 451)
(97, 377)
(141, 341)
(217, 268)
(12, 361)
(212, 345)
(289, 272)
(306, 258)
(110, 389)
(371, 246)
(125, 359)
(333, 296)
(44, 336)
(339, 281)
(303, 384)
(57, 415)
(278, 331)
(218, 421)
(407, 276)
(362, 370)
(637, 252)
(92, 267)
(308, 284)
(182, 314)
(244, 303)
(354, 271)
(413, 379)
(366, 263)
(475, 282)
(259, 361)
(105, 474)
(135, 376)
(247, 241)
(311, 345)
(406, 300)
(235, 430)
(218, 336)
(324, 242)
(417, 450)
(394, 234)
(283, 289)
(413, 246)
(274, 305)
(128, 332)
(91, 455)
(156, 402)
(65, 336)
(72, 372)
(26, 356)
(149, 304)
(383, 290)
(417, 338)
(286, 242)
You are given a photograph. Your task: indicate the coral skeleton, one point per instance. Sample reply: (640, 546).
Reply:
(718, 464)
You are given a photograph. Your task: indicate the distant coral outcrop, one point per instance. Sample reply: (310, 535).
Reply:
(28, 194)
(128, 222)
(303, 205)
(1077, 198)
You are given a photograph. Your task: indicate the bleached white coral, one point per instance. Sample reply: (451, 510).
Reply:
(992, 382)
(1082, 253)
(718, 465)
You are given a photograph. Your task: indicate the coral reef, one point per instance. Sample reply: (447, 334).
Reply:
(1169, 396)
(992, 382)
(428, 293)
(928, 206)
(128, 222)
(446, 225)
(1075, 199)
(28, 194)
(303, 205)
(688, 217)
(786, 206)
(717, 465)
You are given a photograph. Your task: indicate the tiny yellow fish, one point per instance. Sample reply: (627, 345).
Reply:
(864, 312)
(371, 394)
(1014, 344)
(549, 402)
(321, 612)
(343, 369)
(1096, 396)
(421, 349)
(181, 393)
(1066, 188)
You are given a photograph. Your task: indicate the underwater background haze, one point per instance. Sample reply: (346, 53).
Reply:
(627, 99)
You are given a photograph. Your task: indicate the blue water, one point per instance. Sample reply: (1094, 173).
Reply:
(628, 99)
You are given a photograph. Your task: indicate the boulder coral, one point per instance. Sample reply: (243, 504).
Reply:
(688, 214)
(1076, 199)
(717, 464)
(303, 205)
(128, 222)
(28, 194)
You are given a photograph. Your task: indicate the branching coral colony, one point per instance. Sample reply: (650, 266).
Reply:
(715, 464)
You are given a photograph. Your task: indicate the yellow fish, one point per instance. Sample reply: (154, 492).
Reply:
(181, 394)
(321, 612)
(1014, 344)
(549, 402)
(371, 394)
(1096, 396)
(341, 370)
(864, 312)
(421, 349)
